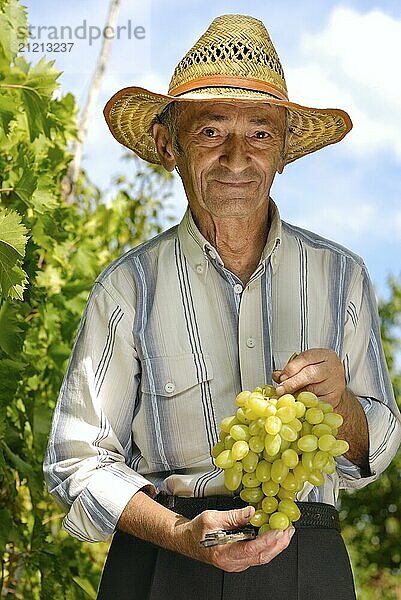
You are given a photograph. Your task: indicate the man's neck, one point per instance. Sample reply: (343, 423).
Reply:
(239, 241)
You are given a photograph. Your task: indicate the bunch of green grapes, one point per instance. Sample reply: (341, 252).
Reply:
(272, 446)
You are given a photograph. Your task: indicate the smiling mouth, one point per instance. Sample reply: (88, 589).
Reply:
(234, 183)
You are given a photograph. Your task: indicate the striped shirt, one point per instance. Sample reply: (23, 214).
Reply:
(169, 337)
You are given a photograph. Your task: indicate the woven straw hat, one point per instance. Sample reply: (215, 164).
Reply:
(234, 59)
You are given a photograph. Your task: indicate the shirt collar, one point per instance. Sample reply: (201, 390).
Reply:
(199, 251)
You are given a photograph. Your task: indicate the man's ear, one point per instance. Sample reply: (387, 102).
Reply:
(164, 146)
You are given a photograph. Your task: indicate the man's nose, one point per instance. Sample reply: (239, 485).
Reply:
(235, 154)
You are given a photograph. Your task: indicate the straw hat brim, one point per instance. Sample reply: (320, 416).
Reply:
(132, 111)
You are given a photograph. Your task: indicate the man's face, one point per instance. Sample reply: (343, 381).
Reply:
(230, 155)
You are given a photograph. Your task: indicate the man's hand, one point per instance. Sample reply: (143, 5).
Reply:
(318, 370)
(148, 520)
(236, 556)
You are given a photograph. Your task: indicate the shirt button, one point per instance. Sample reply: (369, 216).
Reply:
(169, 387)
(199, 268)
(250, 342)
(237, 288)
(212, 254)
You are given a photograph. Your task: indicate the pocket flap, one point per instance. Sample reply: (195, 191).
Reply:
(171, 375)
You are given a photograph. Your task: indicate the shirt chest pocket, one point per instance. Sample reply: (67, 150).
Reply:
(175, 424)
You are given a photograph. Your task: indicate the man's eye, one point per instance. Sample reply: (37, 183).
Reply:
(210, 132)
(261, 135)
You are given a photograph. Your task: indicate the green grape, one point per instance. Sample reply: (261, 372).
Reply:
(288, 433)
(284, 445)
(263, 471)
(229, 442)
(269, 391)
(285, 400)
(233, 477)
(301, 474)
(228, 422)
(315, 477)
(255, 427)
(300, 409)
(306, 428)
(259, 518)
(314, 415)
(330, 466)
(272, 444)
(291, 484)
(279, 471)
(241, 418)
(279, 520)
(270, 411)
(222, 435)
(339, 447)
(249, 480)
(286, 413)
(270, 488)
(257, 443)
(252, 495)
(295, 424)
(224, 460)
(294, 446)
(307, 443)
(269, 457)
(321, 429)
(250, 414)
(326, 407)
(333, 419)
(290, 458)
(257, 403)
(269, 504)
(289, 507)
(282, 493)
(239, 450)
(217, 448)
(308, 398)
(242, 399)
(264, 529)
(273, 425)
(326, 441)
(320, 459)
(240, 432)
(250, 461)
(307, 461)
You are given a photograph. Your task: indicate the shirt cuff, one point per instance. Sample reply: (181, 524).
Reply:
(384, 441)
(94, 514)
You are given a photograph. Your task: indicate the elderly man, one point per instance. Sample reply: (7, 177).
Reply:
(174, 329)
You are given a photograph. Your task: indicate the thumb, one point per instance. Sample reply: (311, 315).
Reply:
(238, 517)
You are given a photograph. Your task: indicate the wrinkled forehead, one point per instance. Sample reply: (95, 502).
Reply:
(230, 110)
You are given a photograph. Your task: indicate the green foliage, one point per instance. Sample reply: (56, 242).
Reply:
(372, 515)
(52, 247)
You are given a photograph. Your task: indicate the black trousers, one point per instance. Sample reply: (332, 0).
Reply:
(315, 566)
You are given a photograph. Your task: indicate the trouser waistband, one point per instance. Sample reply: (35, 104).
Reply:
(313, 514)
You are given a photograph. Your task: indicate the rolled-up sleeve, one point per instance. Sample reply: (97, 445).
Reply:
(368, 378)
(87, 463)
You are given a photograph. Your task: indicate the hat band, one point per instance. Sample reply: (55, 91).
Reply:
(247, 83)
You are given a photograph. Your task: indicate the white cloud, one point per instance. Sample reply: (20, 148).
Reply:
(353, 63)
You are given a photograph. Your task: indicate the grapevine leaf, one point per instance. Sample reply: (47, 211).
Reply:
(43, 77)
(12, 232)
(36, 109)
(12, 248)
(11, 338)
(13, 283)
(86, 586)
(44, 200)
(26, 186)
(12, 28)
(7, 110)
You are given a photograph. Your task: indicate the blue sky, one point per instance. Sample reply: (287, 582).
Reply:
(335, 54)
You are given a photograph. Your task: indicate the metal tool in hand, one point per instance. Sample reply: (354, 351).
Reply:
(223, 536)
